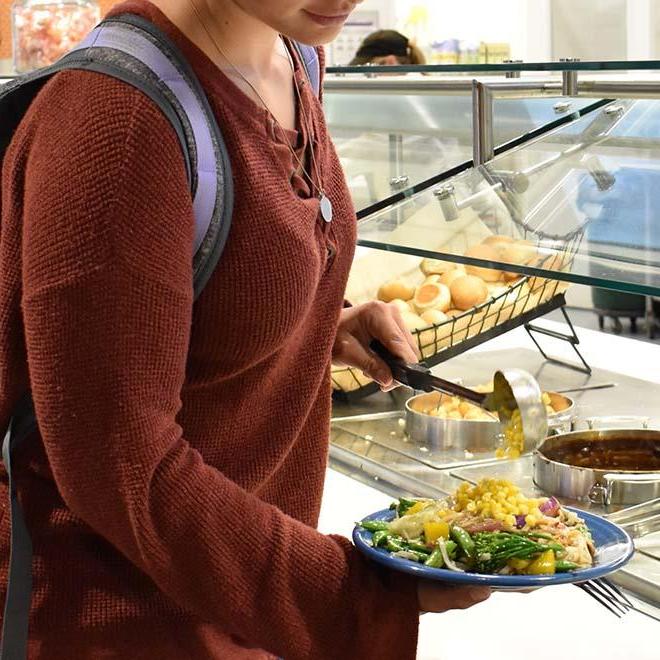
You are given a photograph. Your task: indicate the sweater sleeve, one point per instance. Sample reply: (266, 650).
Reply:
(107, 299)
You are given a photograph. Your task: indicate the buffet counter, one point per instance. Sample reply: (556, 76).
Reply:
(554, 620)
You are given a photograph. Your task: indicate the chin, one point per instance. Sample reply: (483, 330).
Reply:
(313, 37)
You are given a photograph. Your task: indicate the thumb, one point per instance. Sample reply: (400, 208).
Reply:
(356, 355)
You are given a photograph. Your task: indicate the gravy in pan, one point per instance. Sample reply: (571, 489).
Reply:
(630, 455)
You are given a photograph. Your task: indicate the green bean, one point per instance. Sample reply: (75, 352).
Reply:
(379, 538)
(374, 525)
(562, 566)
(404, 504)
(463, 540)
(451, 548)
(394, 544)
(418, 546)
(435, 560)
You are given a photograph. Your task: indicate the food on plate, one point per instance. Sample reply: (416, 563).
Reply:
(401, 305)
(487, 253)
(488, 528)
(395, 289)
(434, 317)
(468, 291)
(432, 295)
(436, 266)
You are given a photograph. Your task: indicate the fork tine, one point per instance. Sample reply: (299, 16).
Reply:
(584, 586)
(613, 587)
(597, 586)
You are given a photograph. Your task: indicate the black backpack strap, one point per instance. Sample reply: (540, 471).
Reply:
(19, 583)
(130, 49)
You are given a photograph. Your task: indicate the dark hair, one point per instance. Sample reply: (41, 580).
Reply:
(388, 42)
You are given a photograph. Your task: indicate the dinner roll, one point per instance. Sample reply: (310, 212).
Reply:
(487, 253)
(432, 295)
(468, 291)
(434, 317)
(395, 289)
(498, 241)
(413, 322)
(401, 305)
(451, 275)
(436, 266)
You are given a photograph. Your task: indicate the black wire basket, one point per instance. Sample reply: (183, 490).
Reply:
(526, 299)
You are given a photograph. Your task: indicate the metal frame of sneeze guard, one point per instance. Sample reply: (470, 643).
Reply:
(484, 93)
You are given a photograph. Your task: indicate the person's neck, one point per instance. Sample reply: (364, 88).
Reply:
(245, 42)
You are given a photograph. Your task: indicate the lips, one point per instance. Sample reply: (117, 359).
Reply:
(321, 19)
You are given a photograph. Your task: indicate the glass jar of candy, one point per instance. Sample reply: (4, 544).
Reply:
(44, 31)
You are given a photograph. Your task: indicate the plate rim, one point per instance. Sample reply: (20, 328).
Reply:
(511, 581)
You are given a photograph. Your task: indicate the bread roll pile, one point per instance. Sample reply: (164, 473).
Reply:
(443, 308)
(450, 289)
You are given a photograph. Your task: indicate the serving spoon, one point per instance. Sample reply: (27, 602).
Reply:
(513, 389)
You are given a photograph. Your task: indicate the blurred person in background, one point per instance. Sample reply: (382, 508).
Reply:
(387, 48)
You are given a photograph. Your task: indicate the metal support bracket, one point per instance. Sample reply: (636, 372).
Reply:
(483, 142)
(569, 79)
(571, 338)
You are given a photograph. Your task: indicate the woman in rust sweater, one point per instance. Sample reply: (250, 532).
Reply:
(174, 488)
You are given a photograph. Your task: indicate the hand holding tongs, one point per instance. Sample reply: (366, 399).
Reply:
(512, 389)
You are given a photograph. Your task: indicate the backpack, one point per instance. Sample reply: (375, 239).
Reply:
(131, 49)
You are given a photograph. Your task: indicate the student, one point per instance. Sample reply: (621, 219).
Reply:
(173, 490)
(388, 47)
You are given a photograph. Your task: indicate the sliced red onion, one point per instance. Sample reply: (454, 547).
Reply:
(520, 521)
(550, 507)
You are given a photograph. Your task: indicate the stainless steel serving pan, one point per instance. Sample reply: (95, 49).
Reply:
(567, 465)
(474, 436)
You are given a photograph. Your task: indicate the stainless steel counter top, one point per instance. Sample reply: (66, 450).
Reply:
(369, 443)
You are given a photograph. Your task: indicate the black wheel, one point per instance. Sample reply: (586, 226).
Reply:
(618, 328)
(601, 322)
(633, 325)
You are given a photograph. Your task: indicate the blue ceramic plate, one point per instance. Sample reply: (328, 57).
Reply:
(614, 548)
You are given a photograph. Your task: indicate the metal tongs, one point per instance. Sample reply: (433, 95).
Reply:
(513, 389)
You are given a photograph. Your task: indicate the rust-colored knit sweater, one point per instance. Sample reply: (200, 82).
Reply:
(173, 492)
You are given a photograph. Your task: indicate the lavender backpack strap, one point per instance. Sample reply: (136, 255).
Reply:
(310, 59)
(132, 50)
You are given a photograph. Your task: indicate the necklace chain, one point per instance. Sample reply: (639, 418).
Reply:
(318, 185)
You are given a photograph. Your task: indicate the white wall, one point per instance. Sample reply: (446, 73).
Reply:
(480, 20)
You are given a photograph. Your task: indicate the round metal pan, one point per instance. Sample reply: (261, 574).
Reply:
(474, 436)
(607, 466)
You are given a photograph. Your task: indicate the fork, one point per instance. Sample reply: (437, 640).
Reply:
(611, 597)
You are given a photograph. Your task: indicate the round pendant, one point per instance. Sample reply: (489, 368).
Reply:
(326, 208)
